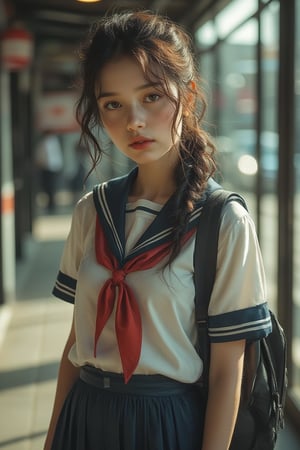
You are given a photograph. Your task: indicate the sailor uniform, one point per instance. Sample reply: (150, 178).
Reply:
(107, 237)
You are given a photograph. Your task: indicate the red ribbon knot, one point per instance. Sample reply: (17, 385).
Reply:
(118, 276)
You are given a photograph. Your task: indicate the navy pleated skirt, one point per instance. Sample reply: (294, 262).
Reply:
(150, 412)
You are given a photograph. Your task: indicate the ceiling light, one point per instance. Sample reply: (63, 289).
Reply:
(89, 1)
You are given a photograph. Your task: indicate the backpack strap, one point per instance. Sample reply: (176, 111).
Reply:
(205, 262)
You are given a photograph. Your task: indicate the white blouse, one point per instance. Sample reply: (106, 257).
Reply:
(237, 310)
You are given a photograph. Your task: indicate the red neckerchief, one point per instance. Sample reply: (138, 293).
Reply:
(128, 323)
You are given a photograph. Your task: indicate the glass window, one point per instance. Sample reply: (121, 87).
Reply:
(296, 292)
(206, 35)
(246, 129)
(268, 142)
(208, 75)
(233, 15)
(237, 106)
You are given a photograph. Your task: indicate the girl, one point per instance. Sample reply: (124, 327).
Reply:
(128, 372)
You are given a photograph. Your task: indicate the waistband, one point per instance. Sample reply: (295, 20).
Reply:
(138, 384)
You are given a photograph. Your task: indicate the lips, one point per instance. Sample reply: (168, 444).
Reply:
(140, 143)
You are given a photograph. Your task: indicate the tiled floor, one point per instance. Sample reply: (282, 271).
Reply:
(33, 342)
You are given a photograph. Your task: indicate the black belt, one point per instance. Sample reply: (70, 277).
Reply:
(138, 384)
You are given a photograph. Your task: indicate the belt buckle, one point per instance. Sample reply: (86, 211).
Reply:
(106, 382)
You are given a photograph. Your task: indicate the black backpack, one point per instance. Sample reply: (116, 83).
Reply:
(261, 411)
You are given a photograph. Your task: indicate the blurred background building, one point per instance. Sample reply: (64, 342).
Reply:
(249, 57)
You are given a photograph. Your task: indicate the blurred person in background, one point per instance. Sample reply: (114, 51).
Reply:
(49, 161)
(80, 172)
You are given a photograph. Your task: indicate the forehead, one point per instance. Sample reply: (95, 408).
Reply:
(126, 72)
(121, 67)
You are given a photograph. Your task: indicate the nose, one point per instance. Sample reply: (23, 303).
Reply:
(136, 118)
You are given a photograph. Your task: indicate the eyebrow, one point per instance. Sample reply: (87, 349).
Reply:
(139, 88)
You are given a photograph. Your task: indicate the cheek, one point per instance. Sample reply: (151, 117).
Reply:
(111, 125)
(164, 117)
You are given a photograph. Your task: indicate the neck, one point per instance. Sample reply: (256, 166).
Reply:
(155, 184)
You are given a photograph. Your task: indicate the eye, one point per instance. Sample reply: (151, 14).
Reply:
(150, 98)
(112, 105)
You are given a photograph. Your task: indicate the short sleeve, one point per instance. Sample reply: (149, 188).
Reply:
(66, 281)
(238, 307)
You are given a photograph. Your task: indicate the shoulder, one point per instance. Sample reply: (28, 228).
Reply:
(86, 206)
(234, 214)
(84, 209)
(237, 226)
(85, 201)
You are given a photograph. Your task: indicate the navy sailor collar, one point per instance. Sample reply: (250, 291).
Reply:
(110, 200)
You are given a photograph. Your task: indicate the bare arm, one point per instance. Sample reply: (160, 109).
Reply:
(225, 375)
(67, 376)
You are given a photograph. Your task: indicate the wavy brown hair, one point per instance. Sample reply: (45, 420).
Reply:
(165, 53)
